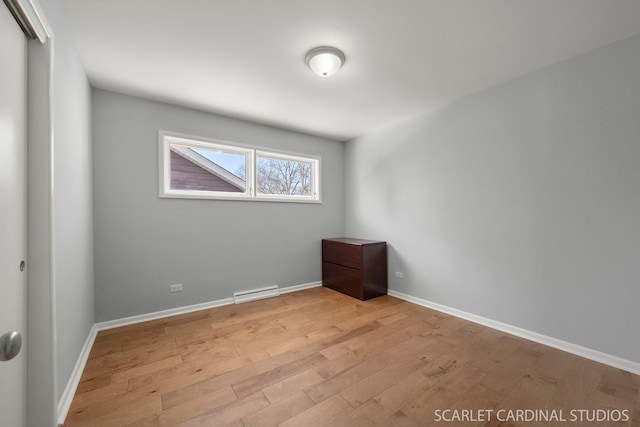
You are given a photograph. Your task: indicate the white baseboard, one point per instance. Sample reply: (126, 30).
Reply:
(72, 385)
(110, 324)
(125, 321)
(297, 288)
(587, 353)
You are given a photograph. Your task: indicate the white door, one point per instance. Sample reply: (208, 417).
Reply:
(13, 71)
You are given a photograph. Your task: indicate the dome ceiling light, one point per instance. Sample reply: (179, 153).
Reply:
(325, 60)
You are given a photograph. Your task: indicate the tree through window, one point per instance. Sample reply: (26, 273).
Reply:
(282, 176)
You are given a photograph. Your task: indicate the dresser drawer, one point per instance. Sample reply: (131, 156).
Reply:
(341, 253)
(342, 279)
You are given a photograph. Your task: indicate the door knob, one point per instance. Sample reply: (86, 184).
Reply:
(10, 344)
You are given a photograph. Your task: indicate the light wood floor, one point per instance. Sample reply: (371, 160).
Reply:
(317, 357)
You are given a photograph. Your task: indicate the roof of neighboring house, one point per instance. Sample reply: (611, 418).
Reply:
(209, 166)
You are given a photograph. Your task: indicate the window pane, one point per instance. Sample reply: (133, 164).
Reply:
(207, 169)
(281, 176)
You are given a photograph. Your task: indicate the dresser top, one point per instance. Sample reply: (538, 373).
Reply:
(353, 241)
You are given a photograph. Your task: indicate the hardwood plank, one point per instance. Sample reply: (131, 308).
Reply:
(451, 386)
(291, 385)
(300, 339)
(577, 385)
(528, 394)
(116, 413)
(335, 366)
(477, 398)
(189, 409)
(325, 413)
(130, 359)
(392, 399)
(279, 373)
(509, 372)
(89, 399)
(102, 348)
(212, 384)
(400, 419)
(230, 413)
(344, 379)
(94, 383)
(497, 350)
(175, 377)
(362, 391)
(235, 376)
(418, 346)
(147, 368)
(375, 312)
(273, 415)
(616, 382)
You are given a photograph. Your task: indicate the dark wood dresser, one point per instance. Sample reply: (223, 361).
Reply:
(355, 267)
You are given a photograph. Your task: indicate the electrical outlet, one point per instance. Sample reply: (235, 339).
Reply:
(399, 275)
(175, 288)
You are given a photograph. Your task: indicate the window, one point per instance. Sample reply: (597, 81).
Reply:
(200, 168)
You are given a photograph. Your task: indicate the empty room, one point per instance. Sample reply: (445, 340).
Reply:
(303, 213)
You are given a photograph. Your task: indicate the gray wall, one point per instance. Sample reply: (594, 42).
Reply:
(144, 243)
(520, 203)
(59, 189)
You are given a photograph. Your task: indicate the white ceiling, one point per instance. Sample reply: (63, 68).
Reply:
(245, 58)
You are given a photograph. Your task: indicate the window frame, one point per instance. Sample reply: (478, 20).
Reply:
(251, 153)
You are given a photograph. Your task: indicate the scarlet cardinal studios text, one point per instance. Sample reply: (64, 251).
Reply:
(530, 415)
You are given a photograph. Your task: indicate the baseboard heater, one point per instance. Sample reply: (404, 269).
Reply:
(256, 294)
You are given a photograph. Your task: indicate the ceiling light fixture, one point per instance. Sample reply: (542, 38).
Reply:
(325, 60)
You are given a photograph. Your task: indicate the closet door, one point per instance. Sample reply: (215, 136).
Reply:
(13, 107)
